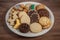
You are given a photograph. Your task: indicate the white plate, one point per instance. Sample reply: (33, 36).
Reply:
(29, 34)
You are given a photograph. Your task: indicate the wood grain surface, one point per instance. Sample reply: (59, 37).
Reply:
(53, 34)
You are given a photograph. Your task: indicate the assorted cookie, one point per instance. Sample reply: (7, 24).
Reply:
(40, 6)
(33, 16)
(25, 19)
(43, 12)
(45, 22)
(17, 24)
(35, 27)
(29, 17)
(24, 28)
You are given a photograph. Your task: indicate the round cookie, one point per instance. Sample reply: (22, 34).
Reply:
(24, 28)
(25, 19)
(45, 22)
(43, 12)
(35, 27)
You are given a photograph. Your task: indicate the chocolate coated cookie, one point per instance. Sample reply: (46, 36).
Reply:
(34, 17)
(43, 12)
(24, 28)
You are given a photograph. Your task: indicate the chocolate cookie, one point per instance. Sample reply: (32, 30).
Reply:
(33, 16)
(43, 12)
(31, 12)
(24, 28)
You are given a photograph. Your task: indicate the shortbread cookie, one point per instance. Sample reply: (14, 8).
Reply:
(24, 28)
(35, 27)
(45, 22)
(25, 19)
(11, 21)
(22, 13)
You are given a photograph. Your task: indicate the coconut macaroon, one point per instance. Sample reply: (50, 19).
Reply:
(35, 27)
(45, 22)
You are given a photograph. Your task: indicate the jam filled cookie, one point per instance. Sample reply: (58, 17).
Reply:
(45, 22)
(35, 27)
(24, 28)
(43, 12)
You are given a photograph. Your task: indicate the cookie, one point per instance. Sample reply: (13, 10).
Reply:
(45, 22)
(16, 26)
(22, 13)
(43, 12)
(24, 28)
(31, 12)
(25, 19)
(25, 10)
(22, 5)
(35, 27)
(42, 6)
(11, 21)
(28, 6)
(47, 26)
(33, 16)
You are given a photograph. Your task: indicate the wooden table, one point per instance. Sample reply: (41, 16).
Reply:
(53, 34)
